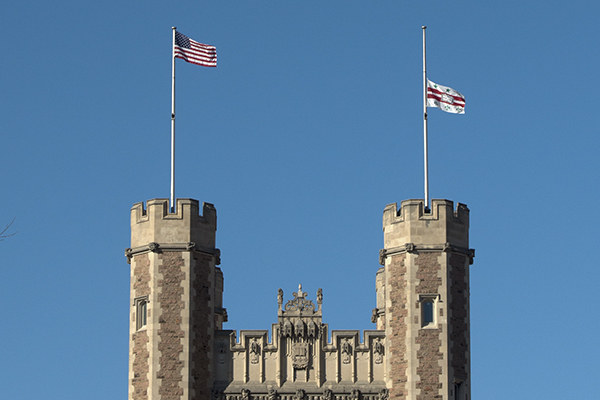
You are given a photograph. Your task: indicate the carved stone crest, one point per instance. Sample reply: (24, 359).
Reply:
(327, 394)
(354, 394)
(300, 355)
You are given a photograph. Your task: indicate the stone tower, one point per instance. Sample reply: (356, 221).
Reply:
(423, 300)
(176, 300)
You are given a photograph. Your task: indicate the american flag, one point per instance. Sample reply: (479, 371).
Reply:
(194, 52)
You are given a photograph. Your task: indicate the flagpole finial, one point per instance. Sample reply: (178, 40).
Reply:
(173, 27)
(423, 27)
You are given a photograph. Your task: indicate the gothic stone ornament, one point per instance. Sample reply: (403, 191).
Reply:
(377, 351)
(272, 394)
(245, 394)
(327, 394)
(299, 303)
(354, 394)
(286, 329)
(312, 329)
(346, 351)
(299, 328)
(382, 256)
(300, 355)
(300, 394)
(254, 351)
(384, 394)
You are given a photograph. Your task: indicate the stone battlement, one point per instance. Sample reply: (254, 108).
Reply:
(156, 223)
(411, 224)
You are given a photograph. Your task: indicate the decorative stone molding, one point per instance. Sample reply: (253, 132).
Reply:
(411, 247)
(155, 247)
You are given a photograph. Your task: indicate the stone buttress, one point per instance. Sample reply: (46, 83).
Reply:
(176, 300)
(423, 300)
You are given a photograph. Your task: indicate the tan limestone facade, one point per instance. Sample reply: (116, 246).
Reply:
(419, 349)
(424, 300)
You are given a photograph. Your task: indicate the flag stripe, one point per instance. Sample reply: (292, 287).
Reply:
(194, 52)
(438, 93)
(457, 101)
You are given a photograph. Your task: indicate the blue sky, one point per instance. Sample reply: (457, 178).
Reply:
(308, 127)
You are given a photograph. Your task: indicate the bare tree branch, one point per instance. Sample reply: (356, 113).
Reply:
(4, 235)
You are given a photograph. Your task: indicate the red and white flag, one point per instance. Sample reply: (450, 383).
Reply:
(194, 52)
(445, 98)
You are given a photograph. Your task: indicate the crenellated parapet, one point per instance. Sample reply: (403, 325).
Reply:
(410, 228)
(300, 354)
(154, 228)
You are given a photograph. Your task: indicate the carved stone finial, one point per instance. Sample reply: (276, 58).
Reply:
(280, 296)
(354, 394)
(327, 394)
(319, 296)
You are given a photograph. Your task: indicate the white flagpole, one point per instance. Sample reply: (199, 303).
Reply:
(425, 124)
(173, 126)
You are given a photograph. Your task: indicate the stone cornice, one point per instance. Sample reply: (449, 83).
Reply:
(413, 248)
(164, 247)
